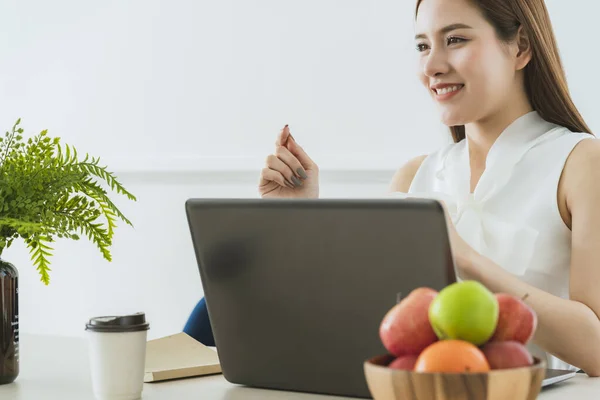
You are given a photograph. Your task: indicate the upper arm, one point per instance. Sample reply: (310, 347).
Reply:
(404, 176)
(582, 195)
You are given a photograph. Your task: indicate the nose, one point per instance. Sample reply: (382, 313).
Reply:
(435, 63)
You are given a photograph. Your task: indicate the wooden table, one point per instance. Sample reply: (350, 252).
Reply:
(56, 368)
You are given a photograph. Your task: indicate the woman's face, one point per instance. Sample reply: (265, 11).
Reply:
(467, 70)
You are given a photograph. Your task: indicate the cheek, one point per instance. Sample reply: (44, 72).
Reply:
(424, 79)
(471, 65)
(484, 69)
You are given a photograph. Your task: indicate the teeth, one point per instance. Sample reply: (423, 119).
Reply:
(448, 89)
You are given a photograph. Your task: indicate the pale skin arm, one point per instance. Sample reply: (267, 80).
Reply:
(567, 328)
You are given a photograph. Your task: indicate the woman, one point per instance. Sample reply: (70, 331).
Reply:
(519, 181)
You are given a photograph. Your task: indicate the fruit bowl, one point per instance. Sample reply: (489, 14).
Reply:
(385, 383)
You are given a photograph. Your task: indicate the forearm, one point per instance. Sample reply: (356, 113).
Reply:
(568, 329)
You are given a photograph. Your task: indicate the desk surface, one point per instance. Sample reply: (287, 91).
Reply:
(55, 368)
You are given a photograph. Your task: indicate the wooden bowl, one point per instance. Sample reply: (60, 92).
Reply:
(513, 384)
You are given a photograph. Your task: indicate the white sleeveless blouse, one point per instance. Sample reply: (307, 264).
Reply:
(512, 217)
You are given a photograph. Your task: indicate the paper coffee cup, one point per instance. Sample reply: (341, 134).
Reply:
(117, 350)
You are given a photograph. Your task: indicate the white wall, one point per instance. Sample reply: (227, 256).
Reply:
(183, 98)
(189, 84)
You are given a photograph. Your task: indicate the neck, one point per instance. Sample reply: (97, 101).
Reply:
(482, 134)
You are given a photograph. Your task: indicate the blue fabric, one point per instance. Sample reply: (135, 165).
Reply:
(198, 325)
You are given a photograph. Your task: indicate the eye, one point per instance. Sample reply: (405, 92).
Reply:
(454, 40)
(421, 47)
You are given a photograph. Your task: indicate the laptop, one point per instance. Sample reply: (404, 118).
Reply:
(296, 289)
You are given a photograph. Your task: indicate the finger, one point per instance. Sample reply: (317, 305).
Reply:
(291, 162)
(269, 175)
(274, 162)
(283, 136)
(300, 154)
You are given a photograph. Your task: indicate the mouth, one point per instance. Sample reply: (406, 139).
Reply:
(447, 91)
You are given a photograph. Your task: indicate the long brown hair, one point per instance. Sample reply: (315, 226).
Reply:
(545, 80)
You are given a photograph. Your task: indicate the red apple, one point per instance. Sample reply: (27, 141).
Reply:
(405, 329)
(404, 362)
(516, 320)
(510, 354)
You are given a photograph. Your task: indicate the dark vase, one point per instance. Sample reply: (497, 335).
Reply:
(9, 322)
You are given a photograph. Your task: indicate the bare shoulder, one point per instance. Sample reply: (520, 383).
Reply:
(404, 176)
(581, 174)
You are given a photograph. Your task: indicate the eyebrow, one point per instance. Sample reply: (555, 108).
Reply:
(446, 29)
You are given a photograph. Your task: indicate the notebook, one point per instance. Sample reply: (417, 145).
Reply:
(179, 356)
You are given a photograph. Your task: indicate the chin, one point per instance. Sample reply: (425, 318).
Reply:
(453, 117)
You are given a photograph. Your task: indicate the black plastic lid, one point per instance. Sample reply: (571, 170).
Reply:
(124, 323)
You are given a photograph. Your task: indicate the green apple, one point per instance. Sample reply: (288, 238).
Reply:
(464, 310)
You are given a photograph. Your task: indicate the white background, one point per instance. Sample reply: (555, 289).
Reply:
(184, 98)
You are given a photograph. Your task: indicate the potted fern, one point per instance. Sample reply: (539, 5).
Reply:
(47, 193)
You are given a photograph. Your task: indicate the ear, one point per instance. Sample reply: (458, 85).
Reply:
(524, 49)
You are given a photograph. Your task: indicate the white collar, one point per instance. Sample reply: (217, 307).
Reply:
(521, 132)
(508, 149)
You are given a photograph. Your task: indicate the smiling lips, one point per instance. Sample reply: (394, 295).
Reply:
(446, 91)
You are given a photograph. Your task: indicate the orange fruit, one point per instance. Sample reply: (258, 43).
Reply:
(452, 356)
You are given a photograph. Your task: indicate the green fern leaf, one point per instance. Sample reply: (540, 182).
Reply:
(40, 254)
(46, 192)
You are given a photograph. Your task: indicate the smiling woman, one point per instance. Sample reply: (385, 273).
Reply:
(494, 40)
(519, 181)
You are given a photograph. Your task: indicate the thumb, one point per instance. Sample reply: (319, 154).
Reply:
(299, 153)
